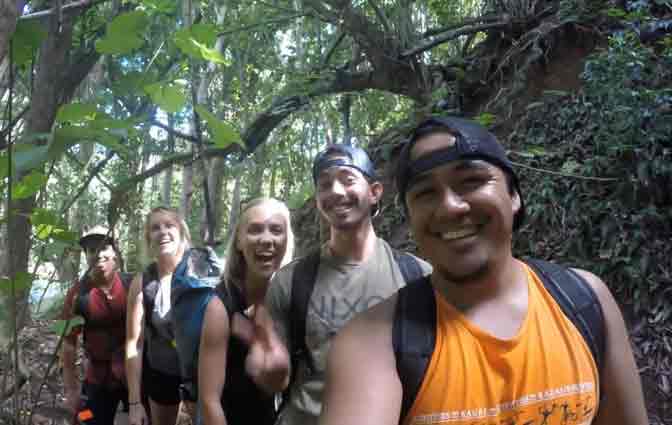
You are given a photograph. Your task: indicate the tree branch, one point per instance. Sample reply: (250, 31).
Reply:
(261, 24)
(5, 131)
(120, 193)
(174, 132)
(381, 16)
(451, 35)
(374, 42)
(96, 170)
(68, 8)
(332, 48)
(467, 21)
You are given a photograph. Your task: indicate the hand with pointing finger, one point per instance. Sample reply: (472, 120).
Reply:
(267, 360)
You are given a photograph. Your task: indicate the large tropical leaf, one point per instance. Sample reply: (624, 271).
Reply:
(168, 95)
(47, 224)
(29, 185)
(77, 113)
(26, 40)
(223, 133)
(195, 41)
(124, 34)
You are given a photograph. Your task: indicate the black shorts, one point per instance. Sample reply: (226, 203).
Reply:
(160, 387)
(99, 404)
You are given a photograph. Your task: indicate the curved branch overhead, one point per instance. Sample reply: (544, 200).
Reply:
(390, 70)
(452, 35)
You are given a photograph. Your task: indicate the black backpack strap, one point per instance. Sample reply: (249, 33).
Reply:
(126, 280)
(80, 306)
(413, 338)
(578, 301)
(408, 265)
(303, 282)
(149, 291)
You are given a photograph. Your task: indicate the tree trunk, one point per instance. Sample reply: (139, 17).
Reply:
(259, 161)
(216, 171)
(187, 190)
(167, 189)
(234, 212)
(47, 97)
(9, 12)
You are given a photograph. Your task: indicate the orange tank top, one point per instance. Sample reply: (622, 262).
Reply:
(545, 375)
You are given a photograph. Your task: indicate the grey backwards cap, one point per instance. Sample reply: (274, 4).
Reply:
(344, 156)
(472, 141)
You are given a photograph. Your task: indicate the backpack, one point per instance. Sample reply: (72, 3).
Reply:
(100, 343)
(303, 283)
(150, 277)
(80, 306)
(192, 286)
(413, 332)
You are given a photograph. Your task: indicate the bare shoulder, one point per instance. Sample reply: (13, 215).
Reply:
(136, 285)
(362, 352)
(600, 288)
(367, 336)
(375, 321)
(216, 313)
(619, 377)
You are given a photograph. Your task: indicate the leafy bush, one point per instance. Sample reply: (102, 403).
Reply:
(617, 134)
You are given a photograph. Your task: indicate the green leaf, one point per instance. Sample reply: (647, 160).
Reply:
(167, 95)
(615, 12)
(131, 83)
(555, 93)
(118, 44)
(160, 6)
(43, 216)
(194, 42)
(485, 119)
(57, 247)
(29, 185)
(48, 225)
(65, 236)
(71, 135)
(124, 34)
(534, 105)
(111, 141)
(532, 152)
(570, 166)
(26, 40)
(77, 113)
(64, 327)
(111, 124)
(222, 132)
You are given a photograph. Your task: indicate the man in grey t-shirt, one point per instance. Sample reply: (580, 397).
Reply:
(356, 271)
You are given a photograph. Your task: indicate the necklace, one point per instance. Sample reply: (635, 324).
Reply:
(108, 293)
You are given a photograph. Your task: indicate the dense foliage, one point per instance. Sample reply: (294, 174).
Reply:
(596, 168)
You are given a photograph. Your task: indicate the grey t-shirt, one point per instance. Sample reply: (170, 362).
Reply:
(342, 290)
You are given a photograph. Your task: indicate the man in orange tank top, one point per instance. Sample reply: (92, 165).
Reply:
(504, 351)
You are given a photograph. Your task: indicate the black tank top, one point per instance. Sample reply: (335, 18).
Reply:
(243, 402)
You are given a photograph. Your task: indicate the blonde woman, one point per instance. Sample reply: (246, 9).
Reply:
(263, 242)
(151, 358)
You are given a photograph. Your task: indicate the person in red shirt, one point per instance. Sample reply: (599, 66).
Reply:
(99, 297)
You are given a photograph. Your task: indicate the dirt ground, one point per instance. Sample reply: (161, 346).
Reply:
(41, 398)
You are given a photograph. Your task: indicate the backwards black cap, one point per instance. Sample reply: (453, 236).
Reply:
(472, 141)
(344, 156)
